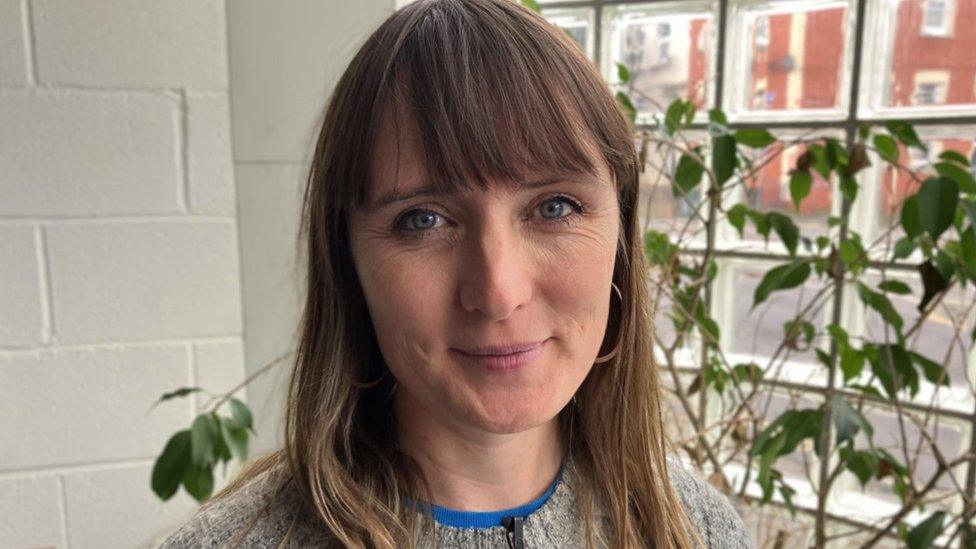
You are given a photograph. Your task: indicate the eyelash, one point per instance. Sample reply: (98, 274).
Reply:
(577, 210)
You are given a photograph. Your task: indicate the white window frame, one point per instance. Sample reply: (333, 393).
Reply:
(944, 27)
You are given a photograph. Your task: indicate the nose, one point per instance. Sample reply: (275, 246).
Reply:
(496, 274)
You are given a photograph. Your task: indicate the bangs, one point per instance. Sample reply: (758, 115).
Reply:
(494, 91)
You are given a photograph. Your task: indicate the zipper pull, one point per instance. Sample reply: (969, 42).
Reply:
(513, 525)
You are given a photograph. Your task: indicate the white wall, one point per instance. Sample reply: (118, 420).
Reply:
(119, 258)
(138, 253)
(284, 60)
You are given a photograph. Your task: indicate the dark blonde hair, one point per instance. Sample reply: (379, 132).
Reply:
(492, 87)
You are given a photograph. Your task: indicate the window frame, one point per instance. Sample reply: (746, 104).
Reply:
(868, 35)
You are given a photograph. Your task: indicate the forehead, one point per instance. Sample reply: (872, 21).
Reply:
(399, 161)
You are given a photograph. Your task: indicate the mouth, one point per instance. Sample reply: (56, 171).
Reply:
(502, 357)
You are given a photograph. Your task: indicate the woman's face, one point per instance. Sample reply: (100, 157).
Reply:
(489, 306)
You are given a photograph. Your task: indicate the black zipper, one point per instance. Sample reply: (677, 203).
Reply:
(513, 534)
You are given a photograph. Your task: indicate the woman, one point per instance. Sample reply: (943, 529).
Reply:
(476, 333)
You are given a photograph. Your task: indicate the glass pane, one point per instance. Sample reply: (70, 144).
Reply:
(755, 334)
(935, 338)
(800, 464)
(789, 56)
(577, 22)
(893, 186)
(668, 48)
(948, 435)
(768, 189)
(924, 61)
(661, 207)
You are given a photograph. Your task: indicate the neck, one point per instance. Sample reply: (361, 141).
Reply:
(476, 470)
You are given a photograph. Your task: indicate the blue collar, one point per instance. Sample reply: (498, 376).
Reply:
(485, 519)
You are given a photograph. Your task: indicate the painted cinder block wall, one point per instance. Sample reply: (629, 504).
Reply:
(119, 258)
(152, 156)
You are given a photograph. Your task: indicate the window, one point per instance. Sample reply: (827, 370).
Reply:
(789, 63)
(762, 32)
(935, 21)
(909, 43)
(928, 93)
(930, 87)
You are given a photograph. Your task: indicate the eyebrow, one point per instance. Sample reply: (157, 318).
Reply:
(395, 195)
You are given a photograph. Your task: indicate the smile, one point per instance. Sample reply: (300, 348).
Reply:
(502, 358)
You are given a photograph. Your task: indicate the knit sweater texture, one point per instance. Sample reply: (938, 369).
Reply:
(557, 523)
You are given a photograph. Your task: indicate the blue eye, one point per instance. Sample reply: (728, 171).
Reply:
(418, 220)
(558, 207)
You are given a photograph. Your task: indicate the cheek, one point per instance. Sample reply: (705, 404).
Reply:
(406, 299)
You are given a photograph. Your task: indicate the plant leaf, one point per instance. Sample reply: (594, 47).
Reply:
(933, 283)
(235, 438)
(199, 482)
(782, 277)
(241, 414)
(688, 174)
(658, 248)
(864, 465)
(893, 367)
(202, 445)
(626, 105)
(756, 138)
(904, 248)
(181, 392)
(932, 370)
(880, 303)
(887, 147)
(954, 156)
(623, 73)
(848, 187)
(895, 287)
(911, 217)
(800, 185)
(926, 532)
(690, 110)
(717, 116)
(723, 158)
(737, 217)
(672, 118)
(937, 201)
(170, 466)
(906, 134)
(788, 232)
(961, 176)
(847, 420)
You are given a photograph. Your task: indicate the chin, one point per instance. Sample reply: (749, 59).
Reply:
(514, 419)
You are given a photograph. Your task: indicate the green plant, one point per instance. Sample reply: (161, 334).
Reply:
(935, 232)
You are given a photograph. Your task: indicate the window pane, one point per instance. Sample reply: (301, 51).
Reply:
(924, 58)
(948, 435)
(789, 56)
(661, 206)
(669, 49)
(768, 189)
(577, 22)
(892, 186)
(756, 334)
(935, 338)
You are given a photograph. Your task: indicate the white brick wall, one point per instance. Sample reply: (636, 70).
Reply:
(119, 262)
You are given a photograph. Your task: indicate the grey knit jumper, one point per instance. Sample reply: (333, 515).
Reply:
(555, 524)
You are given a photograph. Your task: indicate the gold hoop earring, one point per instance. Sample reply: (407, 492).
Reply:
(616, 348)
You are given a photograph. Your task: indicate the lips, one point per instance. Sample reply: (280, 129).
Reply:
(501, 358)
(499, 350)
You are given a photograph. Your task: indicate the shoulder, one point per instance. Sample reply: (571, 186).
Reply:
(263, 512)
(711, 512)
